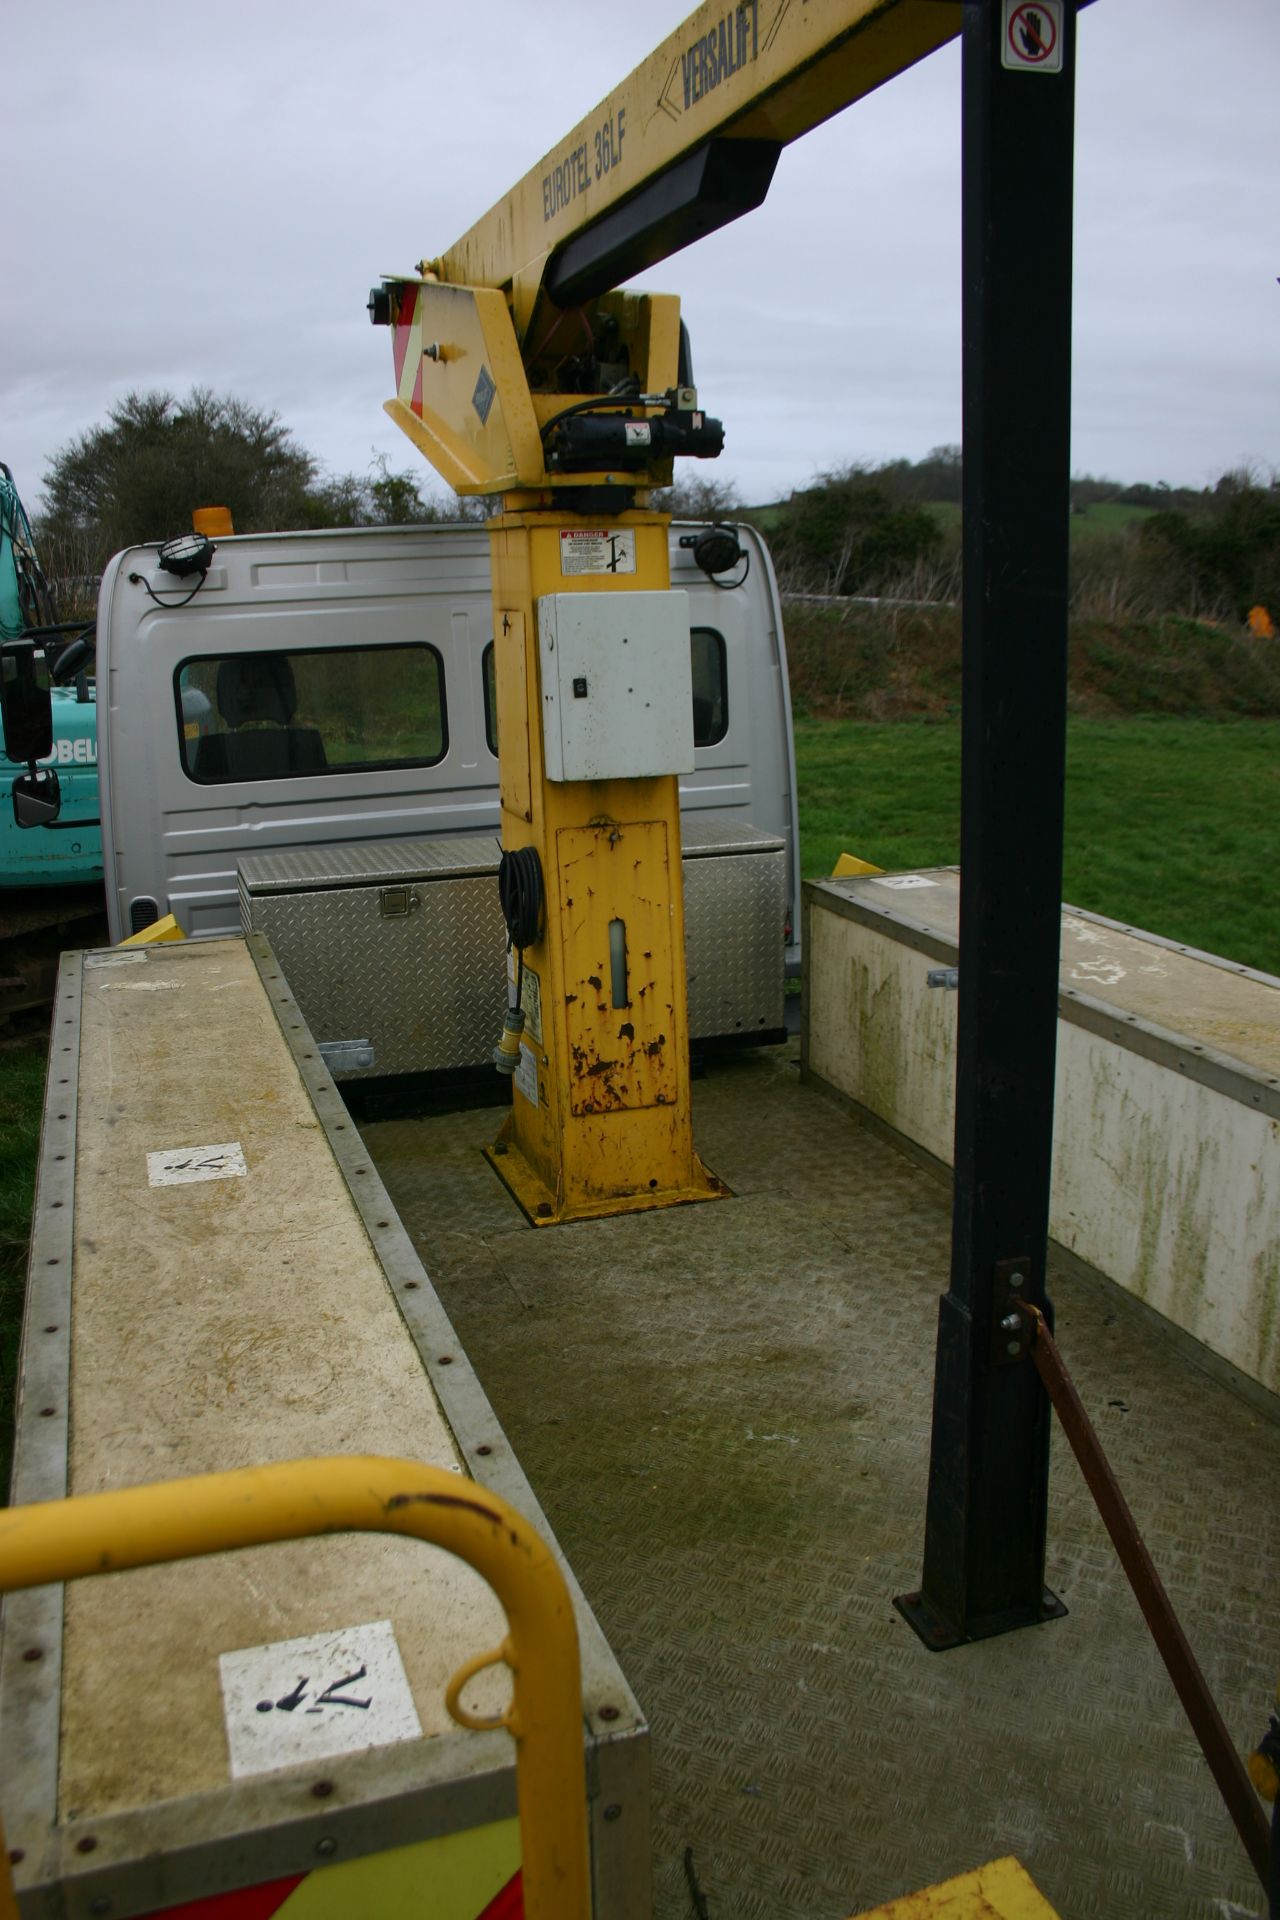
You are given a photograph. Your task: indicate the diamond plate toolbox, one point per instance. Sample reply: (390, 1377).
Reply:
(400, 944)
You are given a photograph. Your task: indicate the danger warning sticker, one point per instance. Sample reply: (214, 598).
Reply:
(1033, 36)
(596, 550)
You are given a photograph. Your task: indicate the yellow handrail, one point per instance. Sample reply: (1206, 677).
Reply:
(253, 1506)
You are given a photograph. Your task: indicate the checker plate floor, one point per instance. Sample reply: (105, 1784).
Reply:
(725, 1412)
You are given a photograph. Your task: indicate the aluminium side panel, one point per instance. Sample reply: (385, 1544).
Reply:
(1166, 1173)
(736, 904)
(749, 774)
(399, 945)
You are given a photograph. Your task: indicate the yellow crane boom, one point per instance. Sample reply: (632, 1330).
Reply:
(489, 337)
(687, 141)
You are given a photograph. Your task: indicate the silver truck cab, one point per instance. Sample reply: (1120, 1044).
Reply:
(319, 714)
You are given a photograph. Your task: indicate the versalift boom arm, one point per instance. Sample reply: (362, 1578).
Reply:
(518, 321)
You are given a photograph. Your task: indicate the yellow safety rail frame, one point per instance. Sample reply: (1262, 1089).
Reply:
(100, 1533)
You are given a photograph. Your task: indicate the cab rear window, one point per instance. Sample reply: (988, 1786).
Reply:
(710, 687)
(279, 716)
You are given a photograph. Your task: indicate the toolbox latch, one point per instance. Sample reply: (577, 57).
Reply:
(394, 901)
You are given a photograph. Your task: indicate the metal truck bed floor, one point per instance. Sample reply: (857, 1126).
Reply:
(725, 1413)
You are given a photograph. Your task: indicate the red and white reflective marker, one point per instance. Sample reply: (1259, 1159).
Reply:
(1033, 36)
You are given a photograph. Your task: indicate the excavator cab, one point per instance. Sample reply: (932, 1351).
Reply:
(26, 711)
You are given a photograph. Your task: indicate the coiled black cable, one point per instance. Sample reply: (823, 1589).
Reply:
(520, 896)
(138, 580)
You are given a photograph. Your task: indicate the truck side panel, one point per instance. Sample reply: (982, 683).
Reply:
(173, 838)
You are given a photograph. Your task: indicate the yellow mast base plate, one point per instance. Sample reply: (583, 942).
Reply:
(538, 1202)
(1002, 1890)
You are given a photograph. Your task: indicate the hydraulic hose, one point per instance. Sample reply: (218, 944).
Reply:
(520, 895)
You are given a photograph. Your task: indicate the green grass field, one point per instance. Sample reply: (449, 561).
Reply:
(1107, 516)
(1172, 825)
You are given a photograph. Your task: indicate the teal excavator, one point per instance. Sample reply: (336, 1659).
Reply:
(50, 872)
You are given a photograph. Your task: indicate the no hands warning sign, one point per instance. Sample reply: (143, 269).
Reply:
(1033, 35)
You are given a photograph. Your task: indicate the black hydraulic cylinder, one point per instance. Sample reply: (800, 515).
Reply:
(988, 1478)
(586, 441)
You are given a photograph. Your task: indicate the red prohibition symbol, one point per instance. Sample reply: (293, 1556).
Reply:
(1033, 33)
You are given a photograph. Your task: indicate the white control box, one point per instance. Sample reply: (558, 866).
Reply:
(617, 684)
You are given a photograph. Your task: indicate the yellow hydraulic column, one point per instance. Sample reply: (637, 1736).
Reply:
(600, 1118)
(523, 369)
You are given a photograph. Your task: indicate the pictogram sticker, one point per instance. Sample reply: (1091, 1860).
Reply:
(180, 1166)
(482, 398)
(301, 1700)
(1032, 36)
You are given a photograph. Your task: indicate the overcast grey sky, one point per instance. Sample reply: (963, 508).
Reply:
(205, 195)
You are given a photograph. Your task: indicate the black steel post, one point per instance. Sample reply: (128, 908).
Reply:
(988, 1479)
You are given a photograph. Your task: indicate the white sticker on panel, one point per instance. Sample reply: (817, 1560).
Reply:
(302, 1700)
(136, 958)
(530, 997)
(901, 881)
(1032, 36)
(179, 1166)
(526, 1076)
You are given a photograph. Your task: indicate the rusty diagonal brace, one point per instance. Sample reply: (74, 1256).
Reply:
(1207, 1724)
